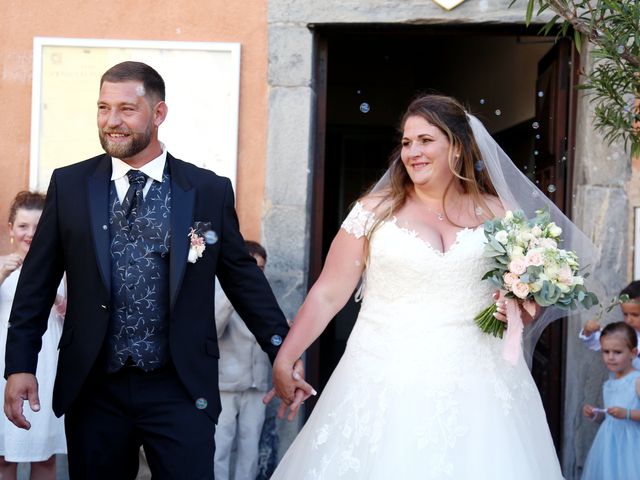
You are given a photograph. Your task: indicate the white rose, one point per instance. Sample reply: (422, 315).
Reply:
(502, 236)
(508, 216)
(549, 243)
(554, 230)
(536, 231)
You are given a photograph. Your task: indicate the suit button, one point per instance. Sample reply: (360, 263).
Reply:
(201, 403)
(276, 340)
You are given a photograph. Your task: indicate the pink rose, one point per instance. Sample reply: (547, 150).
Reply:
(520, 290)
(565, 275)
(533, 258)
(510, 278)
(518, 266)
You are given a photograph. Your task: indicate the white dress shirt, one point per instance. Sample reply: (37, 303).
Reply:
(154, 170)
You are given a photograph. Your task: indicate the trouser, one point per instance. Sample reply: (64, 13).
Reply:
(240, 422)
(116, 413)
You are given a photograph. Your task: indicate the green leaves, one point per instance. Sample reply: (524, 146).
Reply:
(613, 82)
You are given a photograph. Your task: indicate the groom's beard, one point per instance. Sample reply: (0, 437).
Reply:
(136, 142)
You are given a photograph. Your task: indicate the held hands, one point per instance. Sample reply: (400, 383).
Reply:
(529, 310)
(290, 387)
(592, 413)
(20, 387)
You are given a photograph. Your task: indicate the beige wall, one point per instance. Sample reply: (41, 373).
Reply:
(177, 20)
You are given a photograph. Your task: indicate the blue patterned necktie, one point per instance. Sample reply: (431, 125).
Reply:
(133, 198)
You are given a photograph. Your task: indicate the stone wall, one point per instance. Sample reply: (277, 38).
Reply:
(602, 209)
(600, 179)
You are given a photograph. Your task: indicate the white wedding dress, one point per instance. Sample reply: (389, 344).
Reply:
(421, 392)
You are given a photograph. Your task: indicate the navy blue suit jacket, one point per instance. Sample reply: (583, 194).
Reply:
(73, 237)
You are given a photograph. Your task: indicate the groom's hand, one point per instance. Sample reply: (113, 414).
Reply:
(20, 387)
(290, 387)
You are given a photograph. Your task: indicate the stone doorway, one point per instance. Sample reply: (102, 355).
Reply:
(365, 76)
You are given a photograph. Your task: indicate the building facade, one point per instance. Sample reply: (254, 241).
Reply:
(321, 88)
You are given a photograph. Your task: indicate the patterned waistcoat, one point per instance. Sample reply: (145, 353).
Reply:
(139, 323)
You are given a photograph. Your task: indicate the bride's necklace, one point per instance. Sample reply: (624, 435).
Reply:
(439, 215)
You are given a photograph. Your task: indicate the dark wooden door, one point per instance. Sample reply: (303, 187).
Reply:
(553, 157)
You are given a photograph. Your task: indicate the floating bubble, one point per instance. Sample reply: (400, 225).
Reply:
(537, 136)
(551, 188)
(479, 211)
(563, 159)
(364, 107)
(479, 165)
(535, 125)
(210, 237)
(498, 112)
(535, 152)
(482, 101)
(357, 263)
(525, 167)
(620, 49)
(540, 94)
(358, 92)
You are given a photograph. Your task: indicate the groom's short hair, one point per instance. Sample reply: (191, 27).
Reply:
(137, 72)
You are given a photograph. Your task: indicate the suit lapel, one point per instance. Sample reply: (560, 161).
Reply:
(98, 195)
(182, 206)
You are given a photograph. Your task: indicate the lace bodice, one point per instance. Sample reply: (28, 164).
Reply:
(403, 269)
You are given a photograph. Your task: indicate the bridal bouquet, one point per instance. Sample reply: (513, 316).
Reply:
(529, 265)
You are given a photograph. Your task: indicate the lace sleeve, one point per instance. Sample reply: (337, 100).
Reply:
(359, 221)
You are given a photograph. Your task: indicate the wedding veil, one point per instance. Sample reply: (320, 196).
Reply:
(516, 191)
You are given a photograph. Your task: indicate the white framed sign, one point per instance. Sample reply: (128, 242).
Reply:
(202, 93)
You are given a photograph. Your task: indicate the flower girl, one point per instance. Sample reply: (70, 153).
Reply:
(614, 454)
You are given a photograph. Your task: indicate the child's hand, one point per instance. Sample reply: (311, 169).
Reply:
(11, 263)
(590, 328)
(617, 412)
(587, 411)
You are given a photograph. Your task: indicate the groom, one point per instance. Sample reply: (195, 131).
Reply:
(141, 236)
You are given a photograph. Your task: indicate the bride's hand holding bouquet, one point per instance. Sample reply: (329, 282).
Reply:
(529, 266)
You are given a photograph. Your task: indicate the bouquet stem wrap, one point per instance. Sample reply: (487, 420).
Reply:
(513, 339)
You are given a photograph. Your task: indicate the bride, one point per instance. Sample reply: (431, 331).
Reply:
(420, 392)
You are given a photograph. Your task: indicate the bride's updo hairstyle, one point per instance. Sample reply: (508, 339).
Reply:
(450, 117)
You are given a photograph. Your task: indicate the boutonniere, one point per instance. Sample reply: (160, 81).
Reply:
(196, 245)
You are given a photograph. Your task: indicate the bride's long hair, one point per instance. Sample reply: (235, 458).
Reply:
(448, 115)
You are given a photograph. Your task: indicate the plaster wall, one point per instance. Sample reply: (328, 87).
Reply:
(207, 20)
